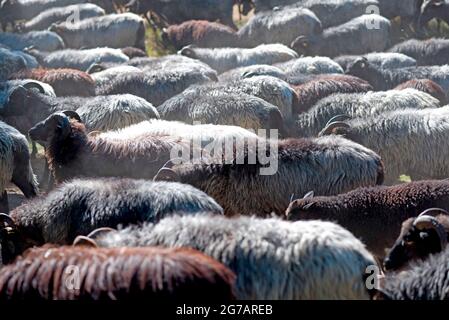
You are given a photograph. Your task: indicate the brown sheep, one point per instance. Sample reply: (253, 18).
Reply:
(88, 273)
(65, 82)
(427, 86)
(204, 34)
(322, 86)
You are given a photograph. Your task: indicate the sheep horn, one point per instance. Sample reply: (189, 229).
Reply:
(73, 115)
(429, 222)
(99, 232)
(34, 85)
(308, 206)
(84, 241)
(166, 174)
(433, 212)
(6, 220)
(331, 126)
(339, 117)
(308, 195)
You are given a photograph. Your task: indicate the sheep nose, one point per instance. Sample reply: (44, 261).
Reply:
(387, 263)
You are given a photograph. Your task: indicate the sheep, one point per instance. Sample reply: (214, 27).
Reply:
(78, 59)
(80, 206)
(251, 71)
(427, 86)
(431, 9)
(150, 274)
(272, 90)
(409, 141)
(133, 52)
(372, 32)
(419, 237)
(46, 18)
(15, 165)
(175, 12)
(407, 10)
(113, 30)
(386, 60)
(309, 65)
(272, 259)
(224, 59)
(360, 105)
(432, 51)
(365, 211)
(385, 79)
(65, 82)
(202, 33)
(13, 10)
(423, 280)
(155, 87)
(329, 12)
(212, 106)
(70, 152)
(279, 26)
(10, 62)
(40, 40)
(102, 76)
(312, 91)
(253, 180)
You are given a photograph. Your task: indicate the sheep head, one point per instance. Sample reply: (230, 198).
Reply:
(302, 208)
(430, 9)
(12, 243)
(360, 68)
(303, 45)
(56, 125)
(19, 98)
(188, 52)
(419, 237)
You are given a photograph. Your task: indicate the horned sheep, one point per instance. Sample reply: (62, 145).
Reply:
(364, 211)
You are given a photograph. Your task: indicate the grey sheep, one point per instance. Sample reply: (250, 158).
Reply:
(15, 165)
(113, 31)
(213, 106)
(46, 18)
(39, 40)
(10, 62)
(224, 59)
(80, 206)
(155, 86)
(409, 141)
(261, 179)
(78, 59)
(423, 280)
(385, 79)
(103, 76)
(427, 52)
(365, 211)
(309, 66)
(252, 71)
(386, 60)
(371, 32)
(272, 259)
(360, 105)
(13, 10)
(279, 26)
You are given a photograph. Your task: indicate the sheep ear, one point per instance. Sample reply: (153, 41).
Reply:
(85, 242)
(6, 220)
(188, 52)
(331, 127)
(34, 85)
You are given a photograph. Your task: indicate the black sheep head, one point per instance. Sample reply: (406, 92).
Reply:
(19, 98)
(56, 126)
(303, 45)
(359, 68)
(431, 9)
(419, 237)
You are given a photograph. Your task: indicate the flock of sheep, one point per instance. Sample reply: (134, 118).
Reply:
(298, 128)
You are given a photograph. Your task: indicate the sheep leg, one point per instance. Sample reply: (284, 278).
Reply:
(23, 176)
(4, 205)
(33, 150)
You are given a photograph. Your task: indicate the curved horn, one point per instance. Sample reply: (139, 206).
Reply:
(429, 222)
(433, 212)
(33, 85)
(6, 219)
(73, 115)
(308, 195)
(84, 241)
(331, 126)
(99, 232)
(339, 117)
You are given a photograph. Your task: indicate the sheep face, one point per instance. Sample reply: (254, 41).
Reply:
(188, 52)
(303, 45)
(431, 9)
(418, 238)
(56, 125)
(301, 209)
(359, 68)
(245, 6)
